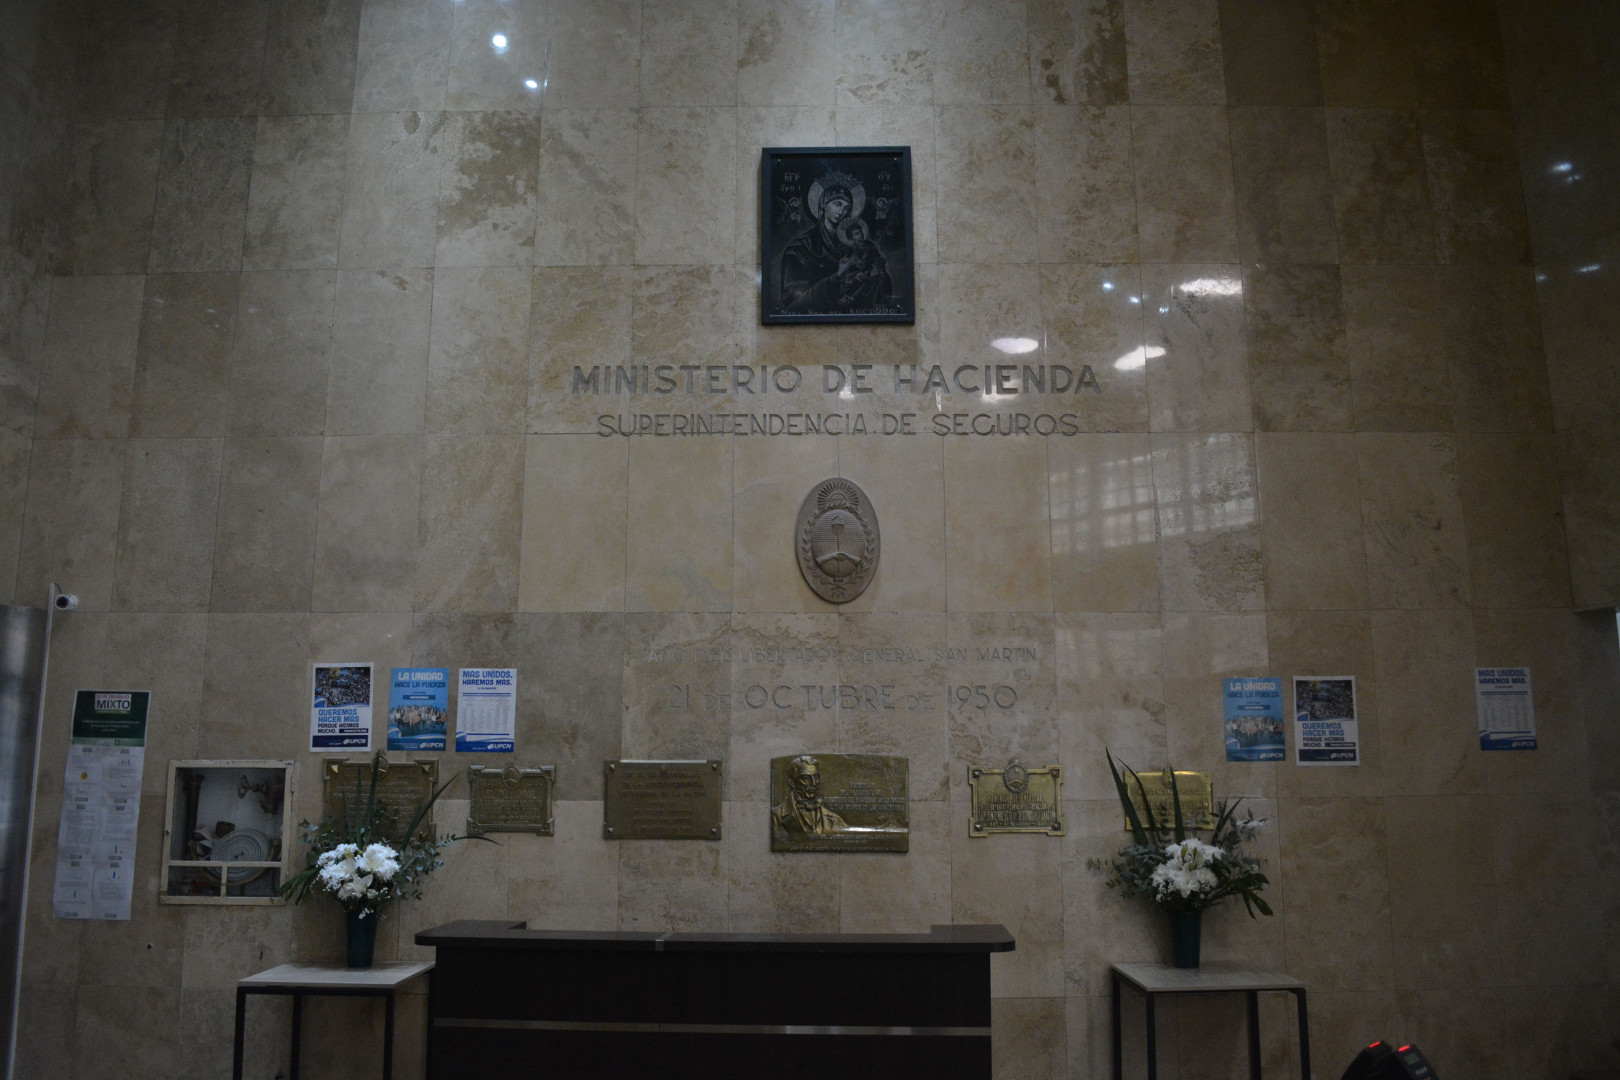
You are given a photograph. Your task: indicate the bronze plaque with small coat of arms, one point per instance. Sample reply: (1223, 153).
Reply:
(837, 540)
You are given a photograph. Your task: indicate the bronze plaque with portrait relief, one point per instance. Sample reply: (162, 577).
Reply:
(1016, 800)
(840, 802)
(661, 800)
(510, 800)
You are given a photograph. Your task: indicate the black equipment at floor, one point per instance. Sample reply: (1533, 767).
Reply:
(1381, 1061)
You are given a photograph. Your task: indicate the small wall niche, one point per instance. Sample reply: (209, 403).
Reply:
(227, 836)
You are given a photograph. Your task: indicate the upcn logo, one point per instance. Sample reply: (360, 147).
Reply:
(112, 703)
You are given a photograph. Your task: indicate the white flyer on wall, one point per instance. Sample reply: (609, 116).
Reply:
(1507, 715)
(101, 805)
(340, 707)
(1325, 728)
(486, 710)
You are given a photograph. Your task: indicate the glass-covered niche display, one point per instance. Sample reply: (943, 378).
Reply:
(229, 833)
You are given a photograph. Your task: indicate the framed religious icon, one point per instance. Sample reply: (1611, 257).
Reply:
(836, 235)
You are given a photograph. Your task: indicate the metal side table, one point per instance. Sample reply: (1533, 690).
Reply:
(1151, 980)
(326, 980)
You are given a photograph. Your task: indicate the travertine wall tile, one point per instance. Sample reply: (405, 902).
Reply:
(390, 206)
(202, 195)
(1208, 497)
(1284, 187)
(1380, 199)
(899, 671)
(403, 58)
(279, 362)
(799, 652)
(264, 546)
(672, 888)
(585, 207)
(1270, 53)
(295, 201)
(1298, 369)
(256, 677)
(678, 553)
(1338, 910)
(85, 385)
(127, 1028)
(673, 32)
(1194, 350)
(1174, 52)
(685, 185)
(476, 360)
(1200, 650)
(1457, 53)
(309, 57)
(1099, 928)
(573, 486)
(1400, 378)
(497, 56)
(896, 894)
(1092, 315)
(1078, 51)
(1515, 521)
(166, 525)
(15, 451)
(1028, 1037)
(569, 879)
(487, 188)
(678, 695)
(595, 59)
(995, 510)
(885, 52)
(1547, 884)
(110, 182)
(1016, 881)
(1427, 656)
(1104, 524)
(1110, 687)
(1366, 54)
(1186, 210)
(684, 316)
(785, 52)
(125, 59)
(380, 342)
(1310, 515)
(1474, 186)
(1412, 517)
(218, 58)
(986, 215)
(1452, 943)
(366, 532)
(580, 319)
(772, 892)
(1001, 692)
(1085, 185)
(1498, 363)
(471, 523)
(981, 53)
(182, 361)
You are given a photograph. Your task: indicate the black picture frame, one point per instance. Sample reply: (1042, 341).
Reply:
(857, 269)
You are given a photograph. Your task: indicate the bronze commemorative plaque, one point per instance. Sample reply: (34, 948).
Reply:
(1197, 790)
(510, 800)
(1016, 800)
(840, 802)
(661, 800)
(401, 787)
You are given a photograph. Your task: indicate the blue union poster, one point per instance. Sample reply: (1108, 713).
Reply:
(1254, 720)
(418, 708)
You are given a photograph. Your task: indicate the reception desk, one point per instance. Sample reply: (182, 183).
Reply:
(509, 1001)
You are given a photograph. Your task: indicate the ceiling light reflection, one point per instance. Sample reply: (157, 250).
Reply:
(499, 41)
(531, 84)
(1016, 345)
(1212, 287)
(1138, 357)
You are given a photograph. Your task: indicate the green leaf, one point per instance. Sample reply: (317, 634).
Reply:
(1125, 801)
(1175, 803)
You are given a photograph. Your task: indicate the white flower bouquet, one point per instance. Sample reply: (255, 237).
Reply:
(363, 859)
(1179, 872)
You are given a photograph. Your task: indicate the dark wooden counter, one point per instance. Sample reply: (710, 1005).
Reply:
(507, 1000)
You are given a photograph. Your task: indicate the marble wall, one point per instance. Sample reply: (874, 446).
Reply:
(285, 379)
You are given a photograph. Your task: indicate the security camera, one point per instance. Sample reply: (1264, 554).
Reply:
(66, 602)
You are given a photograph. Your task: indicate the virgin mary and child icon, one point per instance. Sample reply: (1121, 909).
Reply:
(834, 266)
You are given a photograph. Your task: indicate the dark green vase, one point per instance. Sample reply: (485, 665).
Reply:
(1186, 928)
(362, 938)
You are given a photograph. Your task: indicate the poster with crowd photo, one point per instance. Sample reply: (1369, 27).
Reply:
(340, 707)
(418, 708)
(1254, 720)
(1325, 731)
